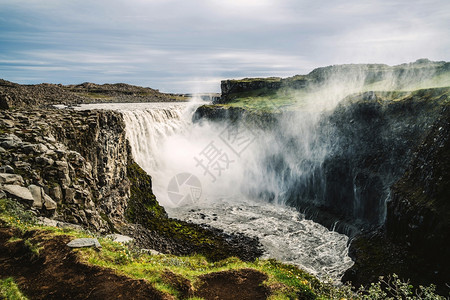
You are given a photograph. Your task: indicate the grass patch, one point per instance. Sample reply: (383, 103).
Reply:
(9, 290)
(284, 281)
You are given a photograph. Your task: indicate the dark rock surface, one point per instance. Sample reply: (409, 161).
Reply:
(413, 242)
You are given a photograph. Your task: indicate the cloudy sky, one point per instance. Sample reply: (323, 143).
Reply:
(190, 45)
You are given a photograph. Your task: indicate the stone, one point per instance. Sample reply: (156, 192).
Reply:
(151, 251)
(69, 195)
(49, 204)
(10, 141)
(8, 123)
(54, 223)
(7, 178)
(124, 239)
(2, 194)
(33, 148)
(37, 193)
(56, 193)
(84, 242)
(44, 161)
(22, 165)
(6, 169)
(18, 192)
(2, 150)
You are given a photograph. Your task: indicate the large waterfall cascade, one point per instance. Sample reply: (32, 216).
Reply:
(203, 172)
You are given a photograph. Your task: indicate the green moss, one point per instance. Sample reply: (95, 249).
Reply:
(142, 202)
(9, 290)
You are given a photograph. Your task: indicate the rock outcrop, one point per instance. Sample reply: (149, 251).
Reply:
(73, 164)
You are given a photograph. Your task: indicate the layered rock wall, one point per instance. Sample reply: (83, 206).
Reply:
(79, 159)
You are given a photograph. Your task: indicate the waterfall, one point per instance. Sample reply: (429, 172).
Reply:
(147, 128)
(216, 167)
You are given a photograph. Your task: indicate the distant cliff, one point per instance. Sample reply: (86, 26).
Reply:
(13, 95)
(421, 74)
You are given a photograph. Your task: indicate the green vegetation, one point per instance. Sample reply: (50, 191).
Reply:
(264, 100)
(9, 290)
(171, 274)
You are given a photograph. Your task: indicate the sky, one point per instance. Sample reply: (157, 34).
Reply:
(191, 45)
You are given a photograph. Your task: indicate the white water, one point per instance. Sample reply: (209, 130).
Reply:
(165, 143)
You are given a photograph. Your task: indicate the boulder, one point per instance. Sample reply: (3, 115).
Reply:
(49, 204)
(6, 178)
(124, 239)
(54, 223)
(18, 192)
(10, 141)
(37, 193)
(84, 242)
(6, 169)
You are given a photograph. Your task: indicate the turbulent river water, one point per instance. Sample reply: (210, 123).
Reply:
(200, 172)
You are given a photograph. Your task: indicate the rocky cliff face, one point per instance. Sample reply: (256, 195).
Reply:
(412, 243)
(79, 159)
